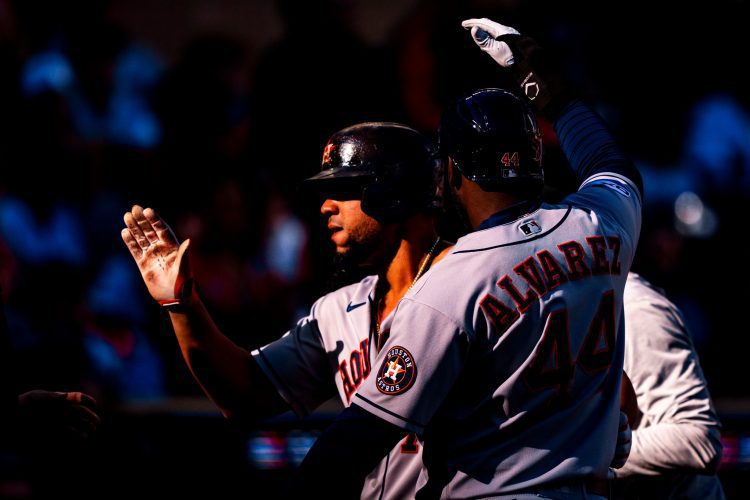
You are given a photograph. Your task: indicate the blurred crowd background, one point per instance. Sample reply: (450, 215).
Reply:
(212, 111)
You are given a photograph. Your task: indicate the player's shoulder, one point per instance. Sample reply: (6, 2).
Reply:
(606, 190)
(643, 300)
(651, 318)
(345, 299)
(450, 285)
(514, 235)
(638, 289)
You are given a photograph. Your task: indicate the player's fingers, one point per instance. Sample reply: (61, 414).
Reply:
(133, 246)
(480, 36)
(84, 412)
(470, 23)
(136, 231)
(484, 24)
(144, 224)
(495, 29)
(82, 398)
(162, 229)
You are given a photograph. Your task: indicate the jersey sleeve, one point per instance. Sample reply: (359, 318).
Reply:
(589, 146)
(679, 429)
(299, 365)
(610, 185)
(416, 368)
(612, 197)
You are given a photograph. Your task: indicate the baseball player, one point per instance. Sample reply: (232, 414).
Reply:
(506, 358)
(676, 445)
(379, 183)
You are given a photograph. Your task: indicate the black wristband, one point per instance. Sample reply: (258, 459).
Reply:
(540, 80)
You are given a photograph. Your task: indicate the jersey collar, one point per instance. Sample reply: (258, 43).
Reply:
(509, 214)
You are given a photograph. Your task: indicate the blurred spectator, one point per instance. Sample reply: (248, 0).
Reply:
(280, 265)
(249, 254)
(103, 78)
(41, 238)
(717, 144)
(203, 105)
(123, 360)
(715, 155)
(318, 79)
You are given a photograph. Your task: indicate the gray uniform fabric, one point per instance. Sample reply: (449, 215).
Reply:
(327, 354)
(678, 437)
(502, 406)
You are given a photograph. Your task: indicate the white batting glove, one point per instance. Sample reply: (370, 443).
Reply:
(486, 33)
(539, 77)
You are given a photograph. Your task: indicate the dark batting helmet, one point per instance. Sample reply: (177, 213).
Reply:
(493, 139)
(392, 168)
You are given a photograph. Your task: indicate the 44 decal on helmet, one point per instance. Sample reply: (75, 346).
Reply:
(510, 160)
(397, 373)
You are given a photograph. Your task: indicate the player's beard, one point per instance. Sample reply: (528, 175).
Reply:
(370, 253)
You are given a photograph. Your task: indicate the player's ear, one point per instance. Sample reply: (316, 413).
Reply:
(454, 175)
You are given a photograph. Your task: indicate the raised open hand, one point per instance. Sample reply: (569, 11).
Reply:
(161, 259)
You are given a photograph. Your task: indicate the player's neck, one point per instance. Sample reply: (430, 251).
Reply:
(484, 204)
(418, 238)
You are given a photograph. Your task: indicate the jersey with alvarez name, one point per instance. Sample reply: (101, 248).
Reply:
(507, 356)
(329, 353)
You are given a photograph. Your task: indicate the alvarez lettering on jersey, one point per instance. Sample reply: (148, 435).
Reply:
(355, 368)
(544, 272)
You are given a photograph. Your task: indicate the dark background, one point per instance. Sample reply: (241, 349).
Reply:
(212, 111)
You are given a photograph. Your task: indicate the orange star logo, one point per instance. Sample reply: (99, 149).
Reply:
(327, 153)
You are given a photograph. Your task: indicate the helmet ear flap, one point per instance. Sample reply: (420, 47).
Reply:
(384, 200)
(375, 201)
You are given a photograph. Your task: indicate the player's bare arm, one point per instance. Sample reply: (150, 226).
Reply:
(225, 371)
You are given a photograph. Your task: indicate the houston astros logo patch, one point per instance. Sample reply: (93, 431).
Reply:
(398, 371)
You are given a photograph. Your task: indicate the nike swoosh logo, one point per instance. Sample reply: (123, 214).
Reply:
(352, 307)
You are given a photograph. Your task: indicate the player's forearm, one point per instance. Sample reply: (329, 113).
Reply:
(673, 447)
(220, 367)
(588, 145)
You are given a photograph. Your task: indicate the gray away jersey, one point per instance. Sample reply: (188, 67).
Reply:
(507, 355)
(678, 436)
(330, 352)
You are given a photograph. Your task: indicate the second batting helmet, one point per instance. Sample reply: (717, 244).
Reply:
(392, 168)
(493, 139)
